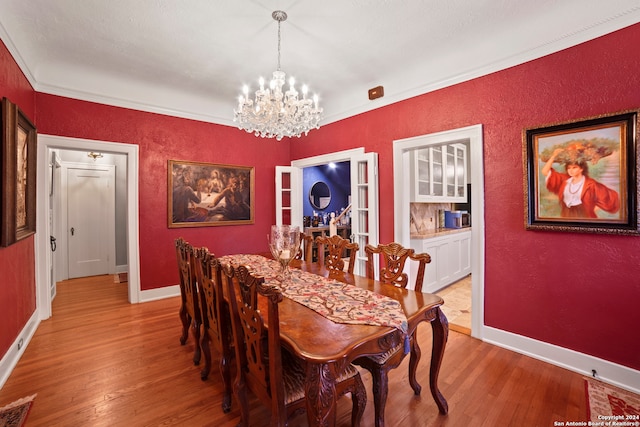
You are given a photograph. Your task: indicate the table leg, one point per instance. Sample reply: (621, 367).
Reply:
(320, 390)
(440, 326)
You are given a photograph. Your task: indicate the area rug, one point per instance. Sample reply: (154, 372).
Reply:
(15, 413)
(610, 403)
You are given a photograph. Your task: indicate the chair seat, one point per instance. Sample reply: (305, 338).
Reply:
(293, 376)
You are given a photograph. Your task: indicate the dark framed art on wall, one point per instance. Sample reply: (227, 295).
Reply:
(18, 213)
(581, 176)
(208, 194)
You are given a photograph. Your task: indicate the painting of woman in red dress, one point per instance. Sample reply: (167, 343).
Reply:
(579, 194)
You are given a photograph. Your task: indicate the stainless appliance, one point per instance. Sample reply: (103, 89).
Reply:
(465, 219)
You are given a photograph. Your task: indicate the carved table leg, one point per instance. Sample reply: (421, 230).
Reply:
(414, 358)
(320, 390)
(440, 326)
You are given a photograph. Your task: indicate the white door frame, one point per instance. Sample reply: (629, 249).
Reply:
(402, 198)
(45, 144)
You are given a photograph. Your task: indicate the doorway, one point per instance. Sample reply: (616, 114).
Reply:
(47, 144)
(364, 195)
(402, 150)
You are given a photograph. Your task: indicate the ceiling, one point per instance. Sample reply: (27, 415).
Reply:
(190, 58)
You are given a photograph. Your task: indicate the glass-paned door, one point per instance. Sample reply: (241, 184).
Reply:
(288, 196)
(364, 206)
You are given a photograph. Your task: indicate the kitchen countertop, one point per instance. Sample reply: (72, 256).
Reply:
(438, 233)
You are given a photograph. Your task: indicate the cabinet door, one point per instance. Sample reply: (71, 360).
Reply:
(436, 274)
(460, 171)
(465, 254)
(454, 262)
(439, 173)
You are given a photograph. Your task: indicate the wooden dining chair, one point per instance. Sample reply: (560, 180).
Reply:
(216, 319)
(394, 257)
(265, 368)
(190, 315)
(306, 246)
(337, 248)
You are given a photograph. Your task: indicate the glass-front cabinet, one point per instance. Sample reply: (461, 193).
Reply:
(440, 173)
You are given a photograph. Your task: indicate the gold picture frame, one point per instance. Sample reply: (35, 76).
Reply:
(581, 176)
(209, 194)
(18, 212)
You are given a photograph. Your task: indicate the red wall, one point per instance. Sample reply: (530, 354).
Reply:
(161, 138)
(579, 291)
(17, 271)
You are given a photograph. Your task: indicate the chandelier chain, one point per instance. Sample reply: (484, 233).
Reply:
(279, 45)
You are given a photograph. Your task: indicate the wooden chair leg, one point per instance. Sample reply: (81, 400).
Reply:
(240, 392)
(380, 390)
(196, 336)
(225, 370)
(186, 322)
(206, 349)
(359, 399)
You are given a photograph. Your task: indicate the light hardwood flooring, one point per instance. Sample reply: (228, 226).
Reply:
(457, 304)
(100, 361)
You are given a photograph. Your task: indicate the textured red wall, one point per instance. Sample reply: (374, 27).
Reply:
(160, 139)
(17, 262)
(579, 291)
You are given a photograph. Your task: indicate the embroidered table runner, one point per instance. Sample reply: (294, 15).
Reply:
(337, 301)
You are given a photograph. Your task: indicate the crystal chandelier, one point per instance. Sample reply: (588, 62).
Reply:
(274, 113)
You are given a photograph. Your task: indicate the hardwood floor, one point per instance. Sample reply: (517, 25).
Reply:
(100, 361)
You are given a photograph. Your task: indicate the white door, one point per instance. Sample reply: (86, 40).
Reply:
(91, 220)
(364, 206)
(288, 196)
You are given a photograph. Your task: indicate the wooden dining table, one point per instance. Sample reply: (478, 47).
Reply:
(328, 347)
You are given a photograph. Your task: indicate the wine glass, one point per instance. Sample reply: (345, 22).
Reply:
(284, 242)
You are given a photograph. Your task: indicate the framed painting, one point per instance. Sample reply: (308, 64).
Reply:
(207, 194)
(18, 214)
(581, 176)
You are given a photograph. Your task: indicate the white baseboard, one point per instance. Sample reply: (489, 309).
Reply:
(159, 293)
(608, 372)
(13, 355)
(122, 268)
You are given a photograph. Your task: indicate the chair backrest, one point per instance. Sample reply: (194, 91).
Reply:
(306, 246)
(188, 283)
(395, 256)
(258, 350)
(337, 248)
(209, 278)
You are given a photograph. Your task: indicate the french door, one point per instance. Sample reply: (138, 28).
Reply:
(364, 197)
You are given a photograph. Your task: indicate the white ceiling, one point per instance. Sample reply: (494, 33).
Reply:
(190, 58)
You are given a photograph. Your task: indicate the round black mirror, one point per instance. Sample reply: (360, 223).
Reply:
(320, 195)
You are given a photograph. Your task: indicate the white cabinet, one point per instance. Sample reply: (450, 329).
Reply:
(440, 173)
(450, 259)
